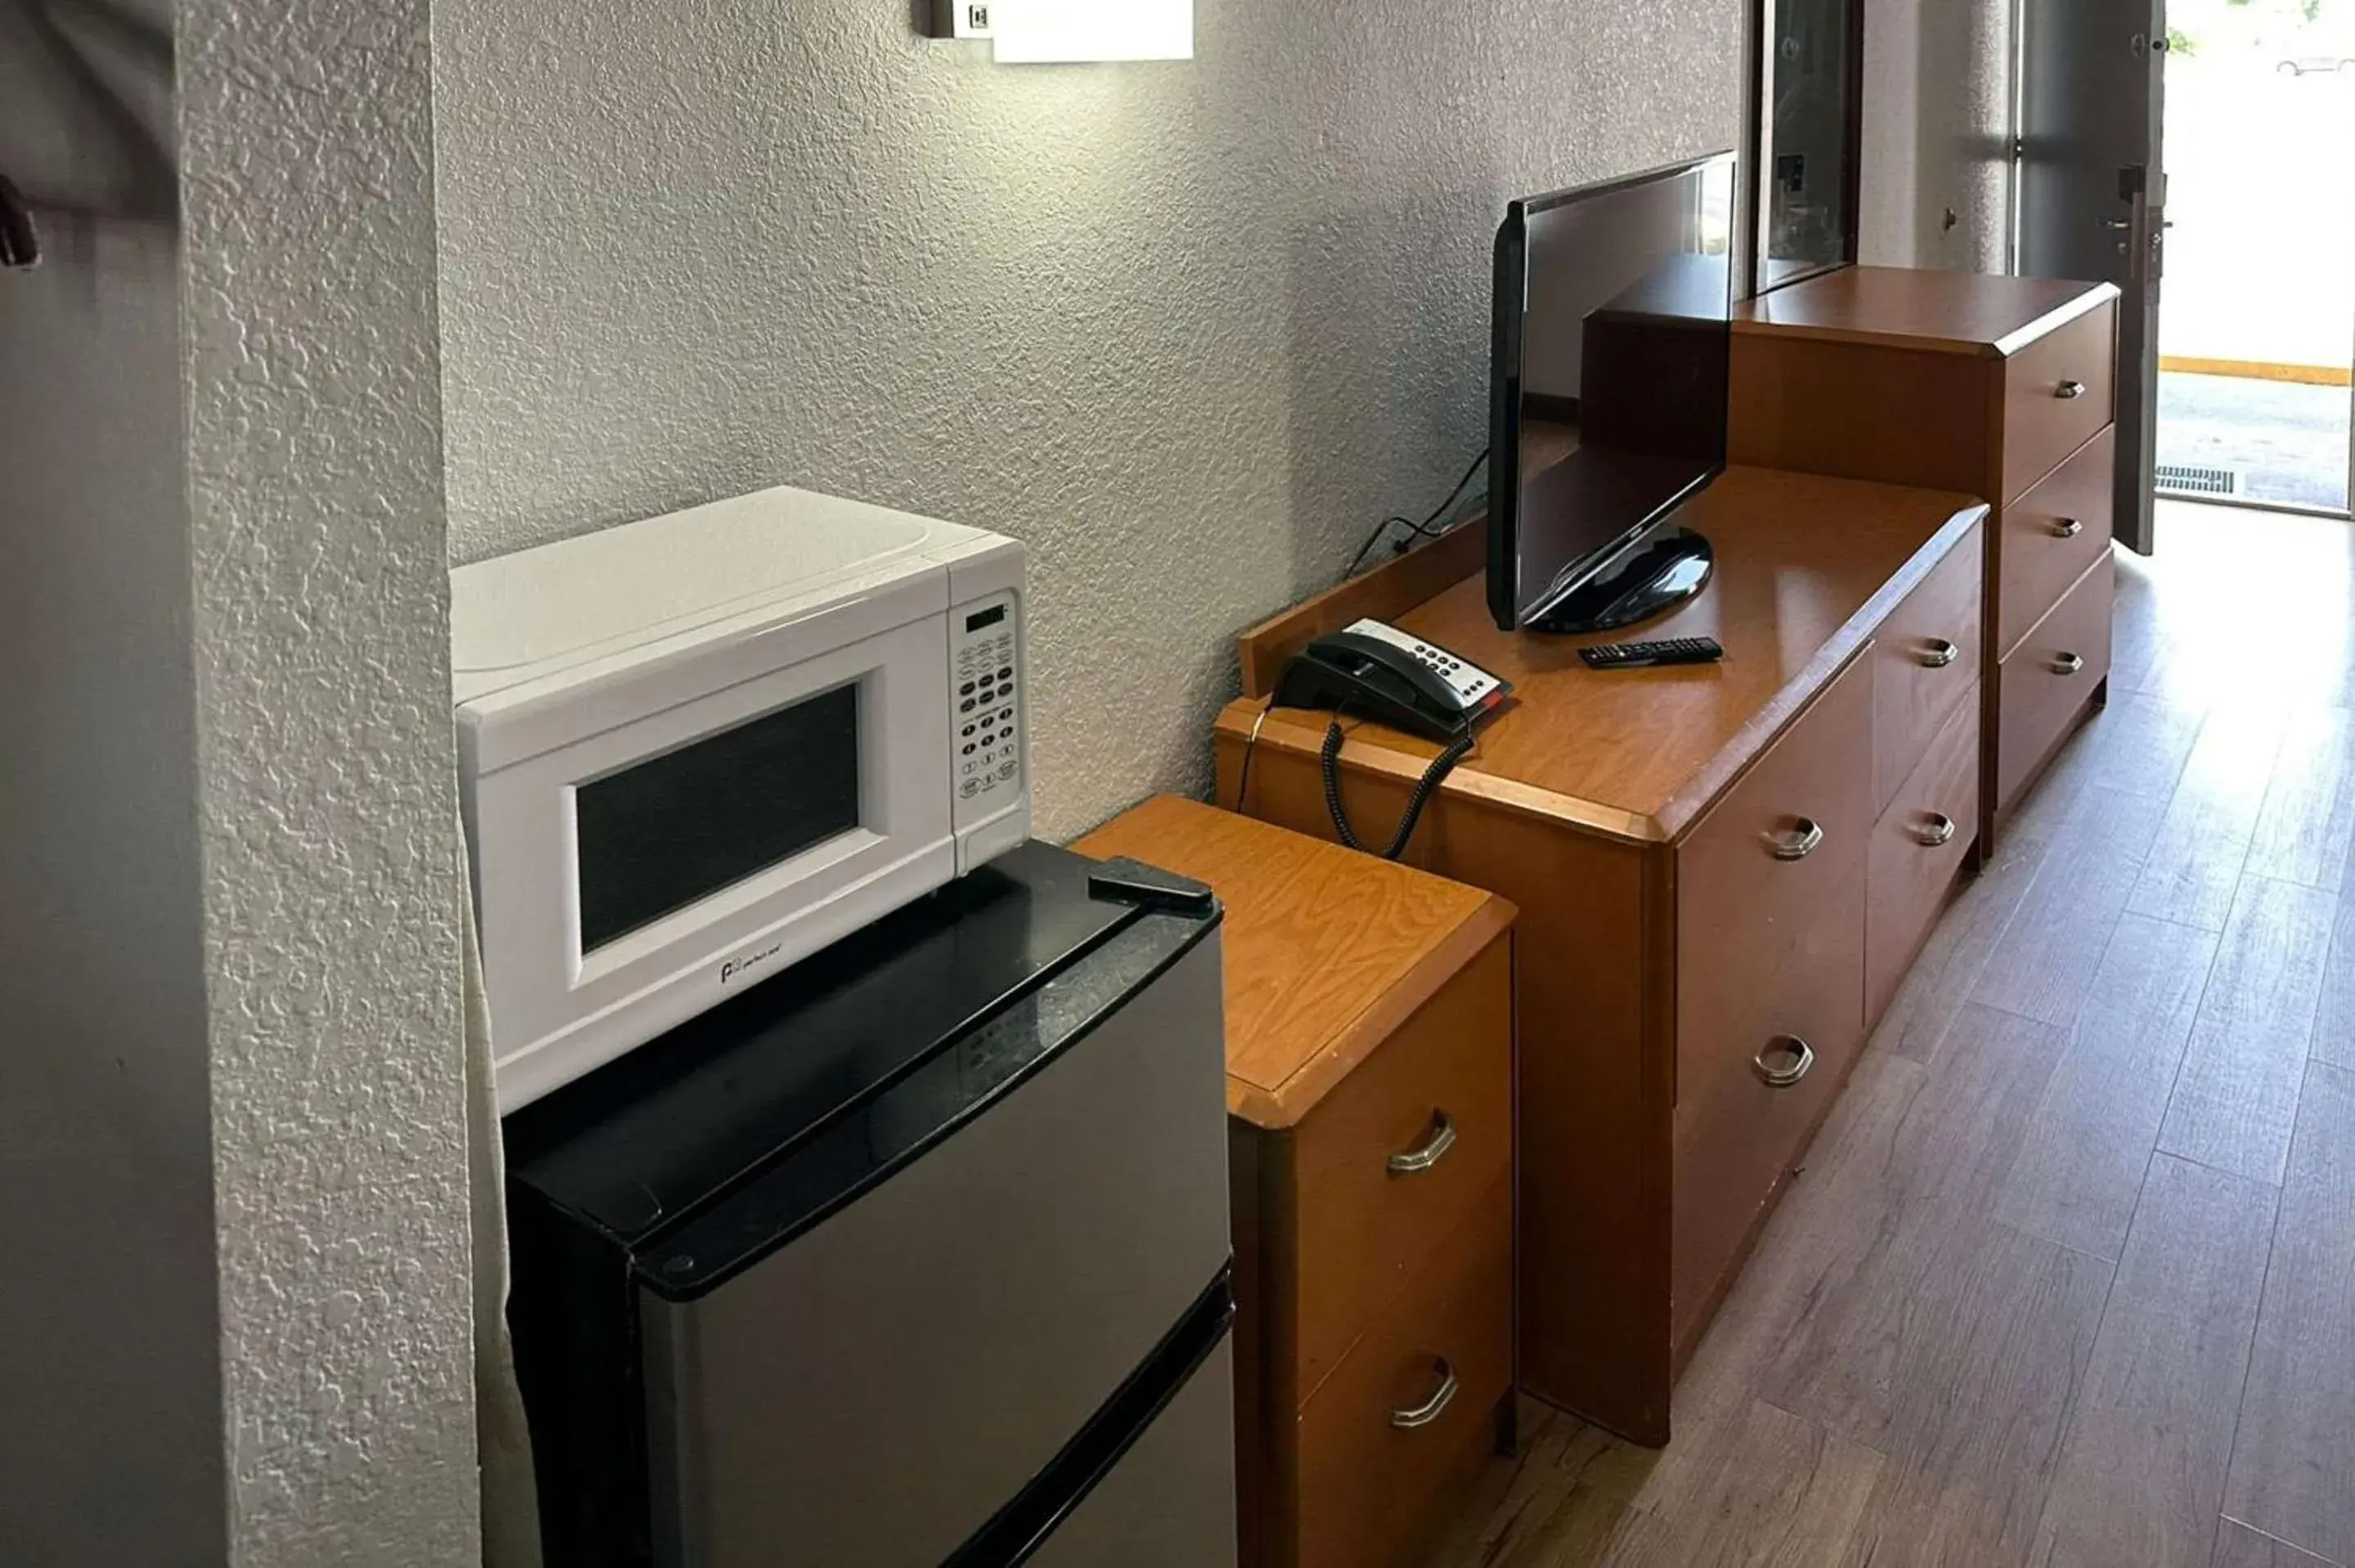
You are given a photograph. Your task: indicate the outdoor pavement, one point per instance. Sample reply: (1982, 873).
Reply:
(2290, 440)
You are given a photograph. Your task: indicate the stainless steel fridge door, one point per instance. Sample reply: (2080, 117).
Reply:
(1170, 1502)
(872, 1394)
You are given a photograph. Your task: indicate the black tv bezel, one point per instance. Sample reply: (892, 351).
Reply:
(1506, 402)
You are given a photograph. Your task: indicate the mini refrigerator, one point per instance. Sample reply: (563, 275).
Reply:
(915, 1254)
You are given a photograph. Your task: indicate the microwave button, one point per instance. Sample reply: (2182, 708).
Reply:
(966, 690)
(966, 707)
(968, 748)
(1006, 770)
(970, 788)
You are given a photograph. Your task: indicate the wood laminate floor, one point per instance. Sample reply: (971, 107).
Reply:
(2068, 1277)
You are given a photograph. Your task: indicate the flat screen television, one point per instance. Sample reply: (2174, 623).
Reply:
(1612, 345)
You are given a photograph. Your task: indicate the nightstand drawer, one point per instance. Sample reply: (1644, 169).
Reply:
(2058, 393)
(1388, 1166)
(2051, 535)
(1925, 664)
(1770, 890)
(1411, 1404)
(1920, 844)
(2050, 677)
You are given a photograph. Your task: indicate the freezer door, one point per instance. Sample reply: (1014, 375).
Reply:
(1170, 1502)
(875, 1392)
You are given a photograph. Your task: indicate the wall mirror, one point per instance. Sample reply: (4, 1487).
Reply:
(1807, 160)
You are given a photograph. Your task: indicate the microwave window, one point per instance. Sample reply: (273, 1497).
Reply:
(688, 824)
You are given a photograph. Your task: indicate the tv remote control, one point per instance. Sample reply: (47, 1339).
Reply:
(1643, 655)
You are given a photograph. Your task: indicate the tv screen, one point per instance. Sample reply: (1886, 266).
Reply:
(1613, 340)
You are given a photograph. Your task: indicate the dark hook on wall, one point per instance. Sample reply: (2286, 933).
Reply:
(20, 243)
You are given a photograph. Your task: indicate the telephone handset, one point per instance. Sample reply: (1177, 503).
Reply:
(1379, 672)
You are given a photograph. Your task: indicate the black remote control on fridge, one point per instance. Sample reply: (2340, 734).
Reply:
(1647, 655)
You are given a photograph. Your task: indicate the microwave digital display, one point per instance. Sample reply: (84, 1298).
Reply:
(679, 828)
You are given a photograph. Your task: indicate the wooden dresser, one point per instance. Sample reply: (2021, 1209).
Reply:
(1720, 870)
(2000, 387)
(1369, 1081)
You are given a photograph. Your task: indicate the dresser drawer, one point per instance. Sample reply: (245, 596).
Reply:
(1920, 844)
(2051, 535)
(2058, 393)
(1388, 1167)
(2047, 679)
(1374, 1455)
(1737, 1136)
(1925, 662)
(1770, 888)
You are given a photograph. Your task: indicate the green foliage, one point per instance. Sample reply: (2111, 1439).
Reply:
(2180, 42)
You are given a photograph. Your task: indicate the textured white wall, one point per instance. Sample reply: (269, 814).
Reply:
(1937, 129)
(327, 805)
(1188, 329)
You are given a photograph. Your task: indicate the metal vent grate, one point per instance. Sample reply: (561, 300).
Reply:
(2188, 478)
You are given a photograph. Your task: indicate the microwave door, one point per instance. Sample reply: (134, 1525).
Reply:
(644, 873)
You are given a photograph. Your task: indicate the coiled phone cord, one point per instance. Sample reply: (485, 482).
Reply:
(1433, 776)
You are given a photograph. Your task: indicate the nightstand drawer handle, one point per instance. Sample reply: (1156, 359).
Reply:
(2070, 391)
(1424, 1415)
(2068, 528)
(1416, 1161)
(2068, 663)
(1937, 653)
(1936, 831)
(1801, 842)
(1801, 1055)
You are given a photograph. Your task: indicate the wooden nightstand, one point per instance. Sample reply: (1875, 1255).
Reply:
(1369, 1092)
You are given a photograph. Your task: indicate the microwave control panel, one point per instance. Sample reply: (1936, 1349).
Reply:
(986, 706)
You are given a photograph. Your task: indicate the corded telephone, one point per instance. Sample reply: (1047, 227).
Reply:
(1379, 672)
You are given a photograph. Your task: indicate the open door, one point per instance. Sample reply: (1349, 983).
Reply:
(2092, 193)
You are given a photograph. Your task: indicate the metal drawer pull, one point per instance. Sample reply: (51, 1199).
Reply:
(2068, 663)
(2067, 528)
(1803, 1059)
(1937, 653)
(2070, 391)
(1803, 841)
(1425, 1414)
(1936, 832)
(1416, 1161)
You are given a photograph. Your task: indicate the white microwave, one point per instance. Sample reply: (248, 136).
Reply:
(696, 748)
